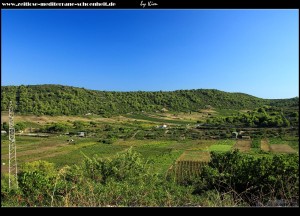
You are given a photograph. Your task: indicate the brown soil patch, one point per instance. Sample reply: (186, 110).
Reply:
(243, 145)
(48, 119)
(282, 148)
(264, 145)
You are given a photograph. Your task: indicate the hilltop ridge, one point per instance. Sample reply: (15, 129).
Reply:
(52, 99)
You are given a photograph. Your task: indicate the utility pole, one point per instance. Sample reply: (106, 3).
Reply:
(12, 152)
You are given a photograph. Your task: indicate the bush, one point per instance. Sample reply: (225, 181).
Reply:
(255, 143)
(9, 197)
(79, 125)
(5, 126)
(128, 180)
(20, 126)
(125, 180)
(253, 178)
(107, 141)
(37, 182)
(55, 128)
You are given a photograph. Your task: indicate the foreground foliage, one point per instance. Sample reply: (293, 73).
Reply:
(256, 180)
(229, 179)
(126, 180)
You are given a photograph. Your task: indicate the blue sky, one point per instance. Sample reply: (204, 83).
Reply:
(250, 51)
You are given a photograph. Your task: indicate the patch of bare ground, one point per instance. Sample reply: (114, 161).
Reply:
(264, 145)
(243, 145)
(282, 148)
(49, 119)
(4, 168)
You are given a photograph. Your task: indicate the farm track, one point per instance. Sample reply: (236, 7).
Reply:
(135, 134)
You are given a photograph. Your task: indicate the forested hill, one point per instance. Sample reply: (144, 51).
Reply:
(66, 100)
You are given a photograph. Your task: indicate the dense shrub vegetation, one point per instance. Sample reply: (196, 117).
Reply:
(265, 116)
(230, 179)
(126, 180)
(64, 100)
(257, 180)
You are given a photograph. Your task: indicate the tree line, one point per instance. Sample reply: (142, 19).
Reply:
(266, 116)
(66, 100)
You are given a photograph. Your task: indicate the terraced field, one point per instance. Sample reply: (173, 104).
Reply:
(264, 145)
(282, 148)
(243, 145)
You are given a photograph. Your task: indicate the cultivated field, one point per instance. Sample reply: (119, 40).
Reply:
(243, 145)
(264, 145)
(282, 148)
(106, 137)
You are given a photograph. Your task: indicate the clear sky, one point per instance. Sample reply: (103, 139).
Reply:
(250, 51)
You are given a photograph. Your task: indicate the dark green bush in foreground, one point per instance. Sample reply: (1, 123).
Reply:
(254, 179)
(230, 179)
(126, 180)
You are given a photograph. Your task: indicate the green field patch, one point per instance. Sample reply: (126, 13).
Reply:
(133, 142)
(226, 112)
(193, 144)
(76, 156)
(161, 163)
(149, 150)
(220, 148)
(226, 142)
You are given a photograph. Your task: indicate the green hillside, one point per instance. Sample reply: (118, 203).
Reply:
(66, 100)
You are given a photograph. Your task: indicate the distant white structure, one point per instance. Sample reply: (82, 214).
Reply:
(81, 134)
(3, 132)
(239, 134)
(164, 126)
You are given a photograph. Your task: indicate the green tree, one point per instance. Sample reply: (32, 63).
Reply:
(20, 126)
(5, 126)
(78, 125)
